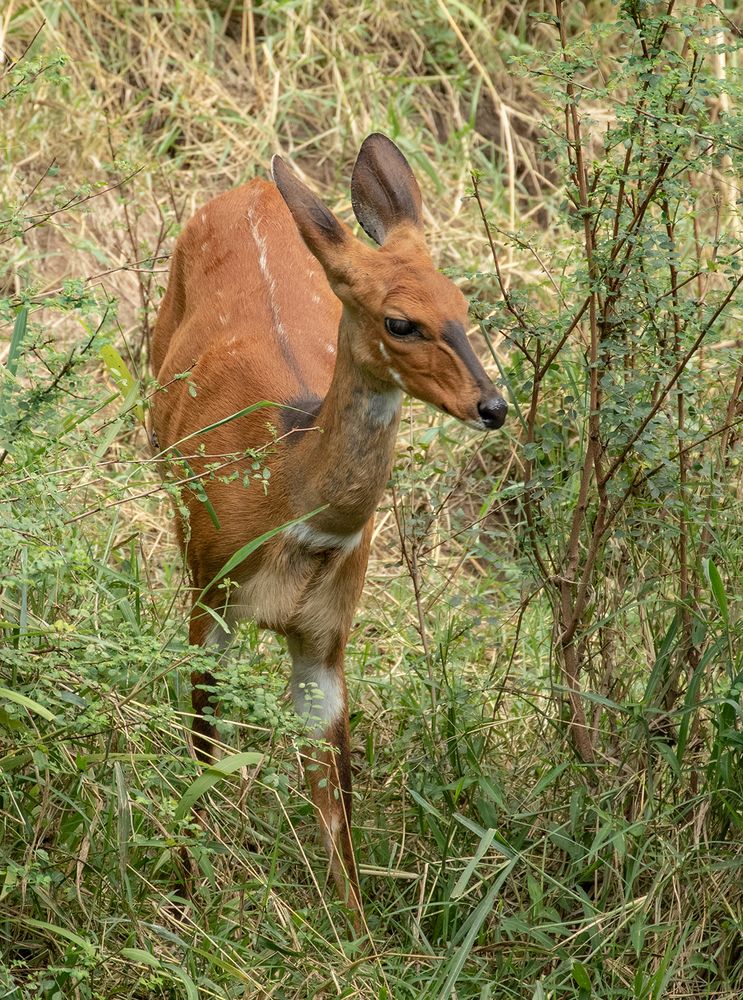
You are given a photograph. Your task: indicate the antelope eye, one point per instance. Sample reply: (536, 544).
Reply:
(400, 327)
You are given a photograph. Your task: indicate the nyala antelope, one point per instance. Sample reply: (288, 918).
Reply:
(272, 298)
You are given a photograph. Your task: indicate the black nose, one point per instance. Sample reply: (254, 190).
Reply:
(493, 412)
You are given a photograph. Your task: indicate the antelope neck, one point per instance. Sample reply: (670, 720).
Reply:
(348, 463)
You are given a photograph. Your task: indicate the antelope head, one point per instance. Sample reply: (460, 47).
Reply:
(404, 319)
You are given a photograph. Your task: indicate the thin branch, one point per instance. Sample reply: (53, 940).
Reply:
(680, 367)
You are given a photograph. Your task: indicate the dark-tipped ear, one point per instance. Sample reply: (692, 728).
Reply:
(318, 227)
(384, 192)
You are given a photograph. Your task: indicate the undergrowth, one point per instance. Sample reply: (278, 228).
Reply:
(545, 673)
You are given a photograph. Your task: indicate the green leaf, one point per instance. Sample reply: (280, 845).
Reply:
(426, 805)
(546, 780)
(124, 820)
(242, 554)
(32, 706)
(125, 382)
(213, 774)
(718, 590)
(191, 992)
(19, 333)
(197, 488)
(470, 15)
(219, 423)
(146, 958)
(461, 883)
(11, 762)
(581, 977)
(87, 946)
(660, 667)
(470, 930)
(141, 956)
(668, 755)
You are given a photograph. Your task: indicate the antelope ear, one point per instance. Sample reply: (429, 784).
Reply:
(325, 236)
(384, 192)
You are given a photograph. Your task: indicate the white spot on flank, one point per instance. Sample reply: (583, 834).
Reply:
(317, 541)
(262, 248)
(223, 320)
(317, 693)
(203, 216)
(316, 298)
(330, 349)
(204, 247)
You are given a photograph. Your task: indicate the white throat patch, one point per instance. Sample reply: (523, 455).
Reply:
(384, 407)
(316, 540)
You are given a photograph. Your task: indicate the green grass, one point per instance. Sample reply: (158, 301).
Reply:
(495, 863)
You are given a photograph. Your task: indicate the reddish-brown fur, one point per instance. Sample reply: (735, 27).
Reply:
(272, 298)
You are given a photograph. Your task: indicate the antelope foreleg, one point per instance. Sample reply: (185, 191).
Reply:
(320, 698)
(203, 730)
(329, 776)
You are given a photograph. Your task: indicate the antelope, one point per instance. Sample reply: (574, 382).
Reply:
(272, 298)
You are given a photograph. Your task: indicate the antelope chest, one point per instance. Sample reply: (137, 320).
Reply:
(307, 584)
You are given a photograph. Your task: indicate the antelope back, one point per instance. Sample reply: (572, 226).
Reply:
(242, 279)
